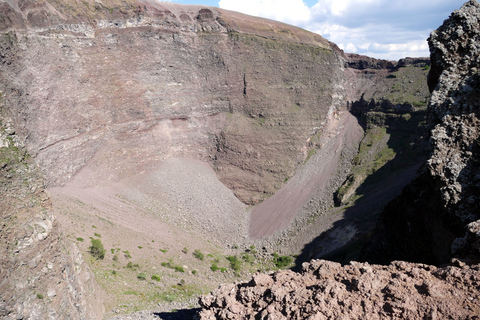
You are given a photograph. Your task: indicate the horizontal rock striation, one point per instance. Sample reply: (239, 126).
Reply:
(92, 79)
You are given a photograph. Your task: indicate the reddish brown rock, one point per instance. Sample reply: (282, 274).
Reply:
(326, 290)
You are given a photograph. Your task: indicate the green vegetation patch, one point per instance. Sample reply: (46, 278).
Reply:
(199, 255)
(282, 262)
(96, 249)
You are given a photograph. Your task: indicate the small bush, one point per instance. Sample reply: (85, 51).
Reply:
(130, 265)
(127, 254)
(156, 277)
(235, 263)
(112, 251)
(194, 272)
(39, 296)
(142, 276)
(214, 267)
(115, 257)
(98, 235)
(198, 254)
(163, 250)
(114, 272)
(185, 250)
(248, 258)
(179, 269)
(282, 261)
(97, 250)
(171, 265)
(80, 239)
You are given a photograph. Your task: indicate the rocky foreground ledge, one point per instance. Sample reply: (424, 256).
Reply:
(326, 290)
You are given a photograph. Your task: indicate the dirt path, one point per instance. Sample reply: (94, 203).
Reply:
(278, 211)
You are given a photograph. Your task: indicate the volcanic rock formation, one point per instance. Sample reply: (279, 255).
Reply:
(157, 119)
(437, 215)
(326, 290)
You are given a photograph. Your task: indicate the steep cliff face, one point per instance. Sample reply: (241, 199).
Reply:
(43, 275)
(242, 93)
(102, 93)
(437, 215)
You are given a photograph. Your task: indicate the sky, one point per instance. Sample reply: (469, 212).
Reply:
(384, 29)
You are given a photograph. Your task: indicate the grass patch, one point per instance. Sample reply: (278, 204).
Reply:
(80, 239)
(235, 263)
(173, 266)
(156, 277)
(198, 254)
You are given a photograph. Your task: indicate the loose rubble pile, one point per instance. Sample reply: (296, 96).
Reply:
(326, 290)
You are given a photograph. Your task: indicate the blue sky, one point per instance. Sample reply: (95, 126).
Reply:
(387, 29)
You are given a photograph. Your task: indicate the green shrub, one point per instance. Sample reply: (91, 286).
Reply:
(140, 247)
(235, 263)
(142, 276)
(179, 269)
(282, 261)
(185, 250)
(127, 254)
(248, 258)
(214, 267)
(163, 250)
(194, 272)
(39, 296)
(80, 239)
(115, 257)
(97, 235)
(171, 265)
(198, 254)
(96, 249)
(156, 277)
(130, 265)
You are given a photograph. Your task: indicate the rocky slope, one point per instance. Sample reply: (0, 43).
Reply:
(102, 93)
(437, 215)
(434, 218)
(43, 275)
(149, 121)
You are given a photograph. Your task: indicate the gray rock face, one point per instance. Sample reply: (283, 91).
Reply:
(43, 275)
(242, 93)
(436, 215)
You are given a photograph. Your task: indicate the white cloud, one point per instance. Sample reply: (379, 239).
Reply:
(389, 29)
(289, 11)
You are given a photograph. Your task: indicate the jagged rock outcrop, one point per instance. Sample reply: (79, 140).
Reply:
(437, 215)
(326, 290)
(43, 276)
